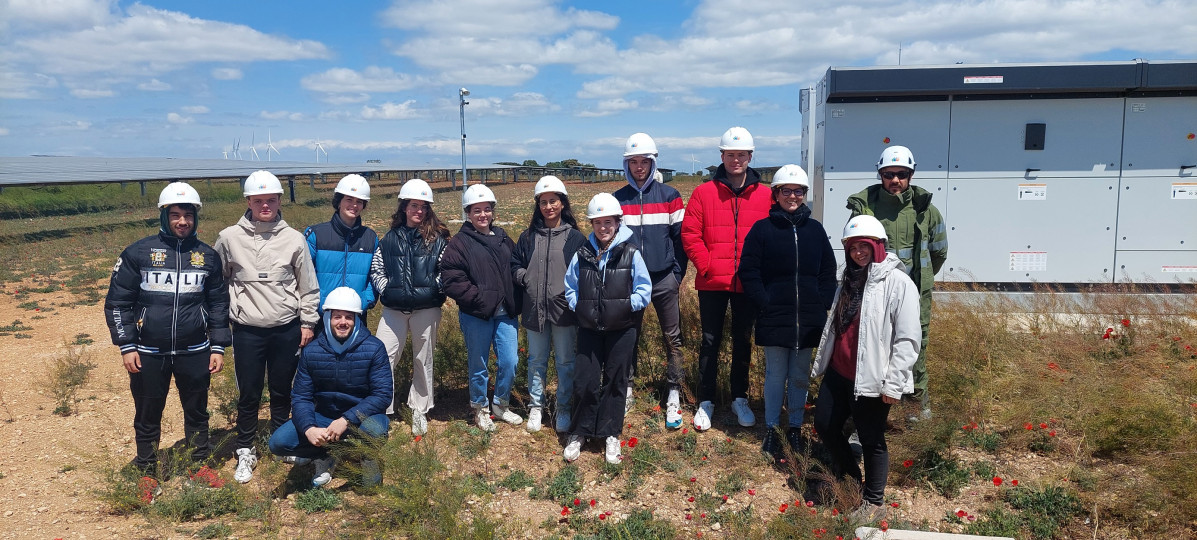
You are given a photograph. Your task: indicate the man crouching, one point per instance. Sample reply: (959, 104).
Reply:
(343, 379)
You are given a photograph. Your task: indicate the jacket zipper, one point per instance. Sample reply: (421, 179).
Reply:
(544, 283)
(174, 325)
(797, 294)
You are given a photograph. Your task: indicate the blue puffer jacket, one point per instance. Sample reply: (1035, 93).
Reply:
(341, 256)
(355, 383)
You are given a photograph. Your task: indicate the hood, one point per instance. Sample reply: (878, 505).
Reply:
(751, 177)
(260, 227)
(622, 235)
(499, 235)
(164, 223)
(878, 271)
(797, 217)
(346, 231)
(563, 228)
(359, 334)
(652, 174)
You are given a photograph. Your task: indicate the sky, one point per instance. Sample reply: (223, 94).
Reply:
(548, 80)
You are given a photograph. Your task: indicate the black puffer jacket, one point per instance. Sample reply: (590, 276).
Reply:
(476, 272)
(538, 265)
(788, 269)
(168, 295)
(405, 270)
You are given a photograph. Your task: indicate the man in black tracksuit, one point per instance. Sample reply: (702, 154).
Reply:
(167, 309)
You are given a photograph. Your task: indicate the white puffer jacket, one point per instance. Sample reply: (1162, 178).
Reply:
(890, 332)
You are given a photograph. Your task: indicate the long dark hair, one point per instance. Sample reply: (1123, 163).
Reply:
(429, 230)
(851, 295)
(567, 215)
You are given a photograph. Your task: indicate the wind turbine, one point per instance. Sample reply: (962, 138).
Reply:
(320, 148)
(253, 146)
(270, 147)
(693, 163)
(237, 148)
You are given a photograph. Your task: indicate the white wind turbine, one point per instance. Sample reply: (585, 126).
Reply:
(237, 148)
(253, 146)
(270, 147)
(319, 149)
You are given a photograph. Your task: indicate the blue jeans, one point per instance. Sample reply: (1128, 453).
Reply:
(288, 441)
(786, 365)
(480, 334)
(564, 340)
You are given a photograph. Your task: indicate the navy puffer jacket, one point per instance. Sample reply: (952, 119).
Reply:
(355, 384)
(788, 270)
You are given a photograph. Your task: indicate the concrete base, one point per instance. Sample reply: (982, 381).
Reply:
(871, 533)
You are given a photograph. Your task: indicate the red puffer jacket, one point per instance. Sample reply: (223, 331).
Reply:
(717, 220)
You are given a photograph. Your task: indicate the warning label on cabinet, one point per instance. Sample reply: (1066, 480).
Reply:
(1189, 268)
(1184, 190)
(1032, 192)
(1028, 261)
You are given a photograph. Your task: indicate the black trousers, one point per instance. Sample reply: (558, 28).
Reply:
(601, 380)
(270, 354)
(712, 310)
(832, 408)
(150, 387)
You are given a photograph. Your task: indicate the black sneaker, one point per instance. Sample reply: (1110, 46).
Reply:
(795, 440)
(772, 443)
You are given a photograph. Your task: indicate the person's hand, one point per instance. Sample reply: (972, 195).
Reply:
(305, 336)
(215, 363)
(337, 428)
(889, 400)
(132, 361)
(316, 435)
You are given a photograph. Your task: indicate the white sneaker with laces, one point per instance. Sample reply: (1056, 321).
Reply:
(324, 468)
(743, 412)
(612, 453)
(482, 419)
(702, 418)
(573, 448)
(534, 420)
(247, 459)
(673, 410)
(419, 423)
(504, 413)
(627, 403)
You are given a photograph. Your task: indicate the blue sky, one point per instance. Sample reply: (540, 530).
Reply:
(549, 79)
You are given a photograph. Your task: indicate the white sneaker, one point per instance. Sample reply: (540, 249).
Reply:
(563, 421)
(573, 448)
(247, 459)
(612, 453)
(324, 468)
(504, 413)
(419, 423)
(743, 412)
(627, 402)
(702, 418)
(482, 418)
(534, 420)
(296, 460)
(673, 410)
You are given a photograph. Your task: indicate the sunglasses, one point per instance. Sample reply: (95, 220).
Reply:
(901, 175)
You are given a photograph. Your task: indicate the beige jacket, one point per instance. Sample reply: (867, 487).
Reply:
(270, 274)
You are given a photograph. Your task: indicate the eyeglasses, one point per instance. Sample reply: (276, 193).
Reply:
(796, 192)
(889, 175)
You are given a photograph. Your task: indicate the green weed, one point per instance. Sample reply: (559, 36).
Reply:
(563, 486)
(517, 480)
(69, 372)
(215, 530)
(318, 500)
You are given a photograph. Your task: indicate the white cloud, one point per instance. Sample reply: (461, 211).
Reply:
(753, 106)
(227, 74)
(608, 107)
(91, 93)
(16, 85)
(154, 85)
(194, 109)
(281, 115)
(62, 14)
(518, 104)
(3, 131)
(176, 118)
(344, 99)
(392, 111)
(370, 79)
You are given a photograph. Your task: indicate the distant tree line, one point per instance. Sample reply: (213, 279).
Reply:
(563, 164)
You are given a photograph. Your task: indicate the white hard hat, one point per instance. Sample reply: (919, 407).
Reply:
(416, 190)
(343, 298)
(549, 184)
(354, 185)
(262, 183)
(178, 193)
(477, 193)
(790, 175)
(896, 156)
(736, 138)
(639, 144)
(603, 204)
(864, 226)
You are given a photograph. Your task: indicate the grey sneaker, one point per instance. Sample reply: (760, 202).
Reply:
(504, 413)
(854, 444)
(247, 459)
(324, 468)
(868, 513)
(482, 418)
(743, 412)
(573, 448)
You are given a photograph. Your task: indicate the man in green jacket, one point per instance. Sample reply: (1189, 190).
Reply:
(917, 235)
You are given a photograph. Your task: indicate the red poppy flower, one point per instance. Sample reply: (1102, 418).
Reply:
(693, 479)
(1126, 323)
(691, 499)
(623, 444)
(688, 517)
(809, 504)
(725, 498)
(961, 513)
(752, 492)
(1043, 425)
(593, 502)
(1051, 433)
(419, 438)
(657, 408)
(602, 516)
(884, 525)
(908, 463)
(895, 505)
(704, 458)
(685, 430)
(835, 511)
(703, 515)
(1029, 426)
(783, 508)
(577, 502)
(565, 510)
(997, 480)
(1014, 483)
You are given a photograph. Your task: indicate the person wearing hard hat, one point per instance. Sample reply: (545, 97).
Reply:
(342, 386)
(476, 273)
(788, 270)
(273, 296)
(868, 346)
(607, 286)
(342, 247)
(538, 265)
(167, 310)
(653, 212)
(718, 217)
(404, 273)
(917, 234)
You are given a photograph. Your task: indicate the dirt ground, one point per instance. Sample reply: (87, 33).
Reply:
(51, 465)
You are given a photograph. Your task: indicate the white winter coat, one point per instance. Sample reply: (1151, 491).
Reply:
(890, 332)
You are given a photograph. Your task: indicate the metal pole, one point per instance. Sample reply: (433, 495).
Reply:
(461, 95)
